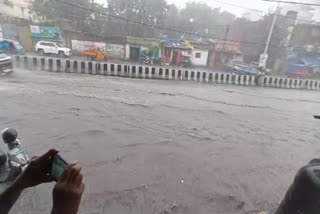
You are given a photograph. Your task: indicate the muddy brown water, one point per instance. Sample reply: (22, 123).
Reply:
(163, 147)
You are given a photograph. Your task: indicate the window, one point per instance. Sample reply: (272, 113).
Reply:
(47, 44)
(50, 45)
(109, 47)
(198, 55)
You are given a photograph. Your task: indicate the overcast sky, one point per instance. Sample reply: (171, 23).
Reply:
(253, 4)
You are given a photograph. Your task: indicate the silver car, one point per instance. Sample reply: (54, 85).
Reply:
(6, 65)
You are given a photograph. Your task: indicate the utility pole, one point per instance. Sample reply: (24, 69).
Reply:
(264, 55)
(225, 37)
(127, 16)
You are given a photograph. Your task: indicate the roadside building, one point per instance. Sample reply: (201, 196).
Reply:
(304, 52)
(223, 52)
(16, 30)
(175, 52)
(200, 52)
(15, 18)
(138, 48)
(17, 9)
(116, 50)
(306, 35)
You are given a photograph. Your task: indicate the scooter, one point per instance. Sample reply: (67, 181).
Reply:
(17, 158)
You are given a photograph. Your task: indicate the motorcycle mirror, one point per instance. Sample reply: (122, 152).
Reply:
(9, 135)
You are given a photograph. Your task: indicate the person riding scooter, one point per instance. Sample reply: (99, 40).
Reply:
(17, 157)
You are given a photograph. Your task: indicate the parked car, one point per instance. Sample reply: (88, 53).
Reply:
(313, 65)
(297, 68)
(5, 64)
(241, 68)
(53, 48)
(11, 47)
(298, 71)
(233, 66)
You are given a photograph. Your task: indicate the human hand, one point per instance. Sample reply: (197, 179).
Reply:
(68, 191)
(38, 170)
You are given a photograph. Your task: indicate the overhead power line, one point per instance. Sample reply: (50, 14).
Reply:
(150, 25)
(204, 26)
(166, 28)
(294, 2)
(238, 6)
(260, 11)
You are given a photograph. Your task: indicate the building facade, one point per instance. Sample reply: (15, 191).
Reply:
(17, 8)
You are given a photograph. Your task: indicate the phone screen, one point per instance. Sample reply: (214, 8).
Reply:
(58, 167)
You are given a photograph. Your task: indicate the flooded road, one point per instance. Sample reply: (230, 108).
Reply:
(162, 147)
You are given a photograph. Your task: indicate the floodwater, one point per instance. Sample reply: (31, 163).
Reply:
(163, 147)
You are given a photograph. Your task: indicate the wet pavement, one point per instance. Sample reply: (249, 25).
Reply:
(152, 146)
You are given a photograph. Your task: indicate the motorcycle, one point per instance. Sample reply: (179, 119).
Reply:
(16, 158)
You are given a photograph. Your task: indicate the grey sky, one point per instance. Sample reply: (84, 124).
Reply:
(254, 4)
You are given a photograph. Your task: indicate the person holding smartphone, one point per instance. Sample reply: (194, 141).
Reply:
(66, 194)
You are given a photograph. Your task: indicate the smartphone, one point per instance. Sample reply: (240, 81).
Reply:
(58, 166)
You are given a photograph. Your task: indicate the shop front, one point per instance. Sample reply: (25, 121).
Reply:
(145, 51)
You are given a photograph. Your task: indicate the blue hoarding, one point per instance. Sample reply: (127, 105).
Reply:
(45, 32)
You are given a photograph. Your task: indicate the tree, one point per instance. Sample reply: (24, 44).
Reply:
(82, 19)
(147, 12)
(139, 18)
(201, 19)
(256, 33)
(198, 19)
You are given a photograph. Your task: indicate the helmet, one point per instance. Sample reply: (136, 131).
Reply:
(9, 135)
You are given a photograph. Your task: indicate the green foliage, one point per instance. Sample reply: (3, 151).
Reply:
(257, 32)
(202, 19)
(150, 12)
(82, 20)
(195, 18)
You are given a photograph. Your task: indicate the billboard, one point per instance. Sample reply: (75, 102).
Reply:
(46, 32)
(87, 45)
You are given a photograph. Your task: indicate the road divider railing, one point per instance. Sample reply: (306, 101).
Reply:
(157, 72)
(283, 82)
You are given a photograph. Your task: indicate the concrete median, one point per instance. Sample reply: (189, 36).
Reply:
(164, 73)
